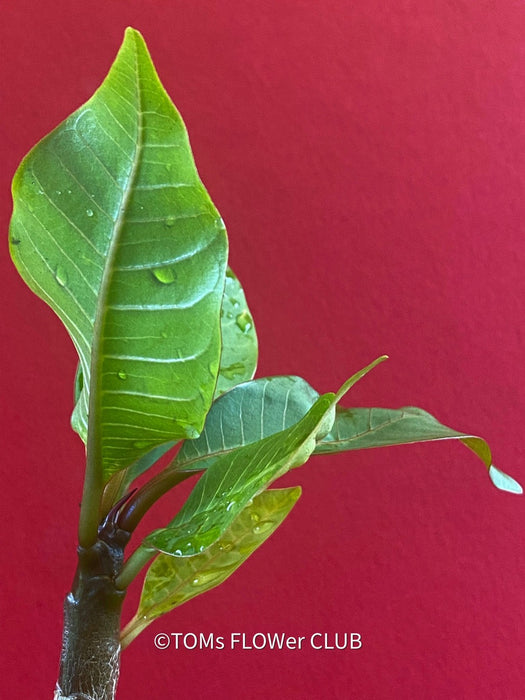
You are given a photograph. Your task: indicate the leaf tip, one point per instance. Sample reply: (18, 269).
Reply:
(503, 481)
(131, 32)
(134, 38)
(358, 375)
(295, 493)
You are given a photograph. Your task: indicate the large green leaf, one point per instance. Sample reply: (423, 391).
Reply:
(114, 230)
(359, 428)
(172, 581)
(236, 476)
(238, 363)
(246, 414)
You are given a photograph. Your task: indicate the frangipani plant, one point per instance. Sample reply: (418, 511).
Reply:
(113, 229)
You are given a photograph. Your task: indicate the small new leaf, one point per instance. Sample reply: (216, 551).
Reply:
(172, 581)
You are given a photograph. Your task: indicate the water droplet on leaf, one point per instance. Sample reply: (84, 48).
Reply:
(262, 527)
(121, 374)
(61, 276)
(191, 432)
(233, 370)
(89, 212)
(170, 221)
(244, 321)
(143, 444)
(206, 577)
(165, 275)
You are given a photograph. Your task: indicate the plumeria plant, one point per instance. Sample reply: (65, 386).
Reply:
(114, 230)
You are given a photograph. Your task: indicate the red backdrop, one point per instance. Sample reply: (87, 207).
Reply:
(367, 159)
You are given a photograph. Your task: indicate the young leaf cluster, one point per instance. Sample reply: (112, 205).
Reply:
(114, 230)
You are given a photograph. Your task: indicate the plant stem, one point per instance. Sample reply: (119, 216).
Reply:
(137, 561)
(147, 495)
(90, 507)
(90, 658)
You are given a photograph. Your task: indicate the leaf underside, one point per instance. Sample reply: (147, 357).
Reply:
(248, 413)
(257, 409)
(360, 428)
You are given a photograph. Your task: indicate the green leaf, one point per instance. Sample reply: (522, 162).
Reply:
(234, 478)
(239, 350)
(359, 428)
(238, 357)
(239, 340)
(171, 581)
(114, 230)
(143, 464)
(247, 413)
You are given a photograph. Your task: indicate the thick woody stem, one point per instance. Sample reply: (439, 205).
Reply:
(90, 659)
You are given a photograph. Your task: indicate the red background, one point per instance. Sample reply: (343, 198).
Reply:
(367, 159)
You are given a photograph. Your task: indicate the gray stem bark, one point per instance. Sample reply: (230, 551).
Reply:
(90, 658)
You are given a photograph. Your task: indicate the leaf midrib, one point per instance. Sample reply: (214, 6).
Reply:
(94, 442)
(339, 440)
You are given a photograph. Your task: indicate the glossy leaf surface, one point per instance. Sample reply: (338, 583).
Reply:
(114, 230)
(359, 428)
(171, 581)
